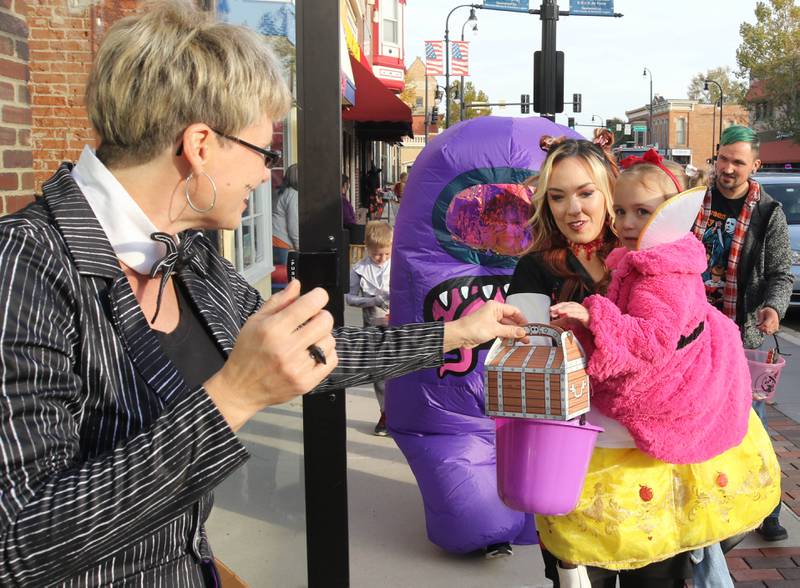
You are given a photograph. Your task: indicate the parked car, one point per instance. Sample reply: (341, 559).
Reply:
(785, 187)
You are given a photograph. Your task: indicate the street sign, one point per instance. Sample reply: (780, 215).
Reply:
(627, 129)
(639, 128)
(513, 5)
(591, 7)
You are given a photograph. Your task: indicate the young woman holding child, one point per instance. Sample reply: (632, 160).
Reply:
(671, 473)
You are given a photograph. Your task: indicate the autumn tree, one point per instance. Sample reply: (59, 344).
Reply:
(471, 95)
(733, 90)
(770, 56)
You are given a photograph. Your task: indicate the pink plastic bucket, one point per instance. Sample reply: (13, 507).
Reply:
(763, 376)
(541, 464)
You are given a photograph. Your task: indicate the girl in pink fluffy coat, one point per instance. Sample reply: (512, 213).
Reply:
(664, 362)
(691, 464)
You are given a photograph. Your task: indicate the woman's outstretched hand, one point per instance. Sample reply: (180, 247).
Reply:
(492, 320)
(271, 363)
(568, 314)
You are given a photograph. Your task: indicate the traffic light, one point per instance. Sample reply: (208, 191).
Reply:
(571, 122)
(525, 104)
(544, 101)
(576, 102)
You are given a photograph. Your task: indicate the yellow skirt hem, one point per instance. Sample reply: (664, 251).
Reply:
(636, 564)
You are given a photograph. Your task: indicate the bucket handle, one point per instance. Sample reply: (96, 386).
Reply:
(778, 347)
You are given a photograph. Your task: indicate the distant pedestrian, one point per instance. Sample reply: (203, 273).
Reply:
(400, 186)
(348, 214)
(369, 290)
(285, 219)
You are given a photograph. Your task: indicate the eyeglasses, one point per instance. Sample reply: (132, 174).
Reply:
(271, 156)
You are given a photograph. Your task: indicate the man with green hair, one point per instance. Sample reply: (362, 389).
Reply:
(747, 242)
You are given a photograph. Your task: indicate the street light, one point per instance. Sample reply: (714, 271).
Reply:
(447, 58)
(472, 18)
(599, 118)
(705, 87)
(647, 72)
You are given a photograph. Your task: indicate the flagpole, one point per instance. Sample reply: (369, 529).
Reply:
(426, 103)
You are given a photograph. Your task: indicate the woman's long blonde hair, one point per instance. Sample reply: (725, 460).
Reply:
(547, 239)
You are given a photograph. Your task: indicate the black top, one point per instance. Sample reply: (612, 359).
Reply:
(189, 346)
(727, 206)
(531, 275)
(717, 239)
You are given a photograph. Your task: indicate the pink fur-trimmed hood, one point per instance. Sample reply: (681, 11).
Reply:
(680, 405)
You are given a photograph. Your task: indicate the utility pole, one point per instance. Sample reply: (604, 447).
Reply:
(548, 80)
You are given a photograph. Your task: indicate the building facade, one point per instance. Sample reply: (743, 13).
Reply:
(420, 105)
(375, 120)
(778, 150)
(684, 129)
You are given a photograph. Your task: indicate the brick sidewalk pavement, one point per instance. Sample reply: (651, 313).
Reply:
(775, 566)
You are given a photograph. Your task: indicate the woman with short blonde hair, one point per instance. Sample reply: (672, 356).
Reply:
(131, 351)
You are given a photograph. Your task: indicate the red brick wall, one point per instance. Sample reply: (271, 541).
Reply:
(16, 175)
(62, 43)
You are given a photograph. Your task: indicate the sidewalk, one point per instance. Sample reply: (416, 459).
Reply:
(756, 562)
(257, 526)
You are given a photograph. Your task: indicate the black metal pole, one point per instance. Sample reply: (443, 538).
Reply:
(425, 121)
(549, 17)
(323, 253)
(719, 140)
(650, 124)
(713, 128)
(447, 60)
(461, 83)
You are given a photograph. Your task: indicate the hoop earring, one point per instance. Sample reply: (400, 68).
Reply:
(189, 199)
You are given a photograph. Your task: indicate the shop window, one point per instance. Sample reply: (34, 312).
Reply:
(253, 238)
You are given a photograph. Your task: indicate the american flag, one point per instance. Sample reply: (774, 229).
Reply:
(459, 58)
(434, 58)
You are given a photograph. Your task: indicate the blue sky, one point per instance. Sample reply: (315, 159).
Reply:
(604, 57)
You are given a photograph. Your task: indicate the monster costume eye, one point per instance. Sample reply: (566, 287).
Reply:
(491, 218)
(481, 217)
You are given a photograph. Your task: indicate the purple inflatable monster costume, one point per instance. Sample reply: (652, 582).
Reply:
(462, 221)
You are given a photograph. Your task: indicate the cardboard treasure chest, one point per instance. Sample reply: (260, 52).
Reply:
(535, 380)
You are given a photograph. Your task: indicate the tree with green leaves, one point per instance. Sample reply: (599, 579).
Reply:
(612, 124)
(471, 95)
(733, 91)
(770, 56)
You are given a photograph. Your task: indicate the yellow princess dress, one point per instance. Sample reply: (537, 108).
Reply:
(635, 510)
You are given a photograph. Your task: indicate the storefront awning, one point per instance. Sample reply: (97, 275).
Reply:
(379, 114)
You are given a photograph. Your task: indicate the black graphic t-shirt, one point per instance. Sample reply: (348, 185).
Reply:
(717, 239)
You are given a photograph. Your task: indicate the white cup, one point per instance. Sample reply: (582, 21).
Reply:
(536, 308)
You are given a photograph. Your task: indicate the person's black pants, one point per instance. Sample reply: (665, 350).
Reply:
(670, 573)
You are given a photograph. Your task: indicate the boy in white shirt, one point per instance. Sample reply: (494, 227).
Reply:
(369, 290)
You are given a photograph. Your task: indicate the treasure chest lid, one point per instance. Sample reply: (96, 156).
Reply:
(540, 336)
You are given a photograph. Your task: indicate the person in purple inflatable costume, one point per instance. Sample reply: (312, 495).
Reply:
(453, 251)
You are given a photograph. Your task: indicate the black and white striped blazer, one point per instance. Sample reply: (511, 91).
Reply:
(107, 457)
